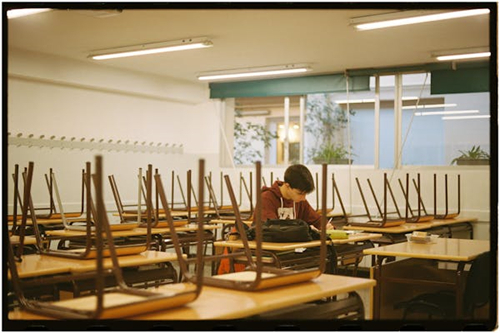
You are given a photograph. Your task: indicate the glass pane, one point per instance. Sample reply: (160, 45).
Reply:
(438, 128)
(386, 152)
(331, 131)
(259, 130)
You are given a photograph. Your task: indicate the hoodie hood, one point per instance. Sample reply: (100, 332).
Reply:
(274, 189)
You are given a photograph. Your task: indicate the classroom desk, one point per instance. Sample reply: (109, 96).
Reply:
(65, 233)
(28, 240)
(397, 234)
(41, 221)
(459, 251)
(218, 303)
(238, 244)
(36, 265)
(273, 250)
(175, 213)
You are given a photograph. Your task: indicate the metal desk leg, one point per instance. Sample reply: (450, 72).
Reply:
(377, 290)
(458, 289)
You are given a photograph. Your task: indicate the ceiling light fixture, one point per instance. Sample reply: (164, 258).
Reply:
(428, 106)
(464, 56)
(369, 100)
(245, 73)
(253, 113)
(15, 13)
(152, 48)
(410, 17)
(465, 117)
(444, 112)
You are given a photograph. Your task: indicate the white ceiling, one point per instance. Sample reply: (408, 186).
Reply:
(243, 38)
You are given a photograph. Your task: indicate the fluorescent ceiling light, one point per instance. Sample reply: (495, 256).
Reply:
(401, 18)
(465, 117)
(368, 100)
(355, 101)
(464, 56)
(444, 112)
(428, 106)
(152, 48)
(254, 113)
(253, 73)
(15, 13)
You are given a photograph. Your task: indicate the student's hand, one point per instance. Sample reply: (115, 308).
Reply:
(329, 226)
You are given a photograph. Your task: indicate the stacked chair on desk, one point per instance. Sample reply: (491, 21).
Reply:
(49, 179)
(421, 214)
(18, 235)
(384, 221)
(349, 256)
(157, 215)
(187, 239)
(227, 212)
(76, 249)
(139, 215)
(447, 214)
(116, 302)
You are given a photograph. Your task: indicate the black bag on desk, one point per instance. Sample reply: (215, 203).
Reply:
(283, 231)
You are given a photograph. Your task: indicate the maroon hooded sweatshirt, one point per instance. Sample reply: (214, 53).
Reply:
(271, 201)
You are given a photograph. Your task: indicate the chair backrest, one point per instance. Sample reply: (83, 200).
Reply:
(477, 287)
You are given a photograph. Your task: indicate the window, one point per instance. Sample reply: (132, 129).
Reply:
(437, 127)
(397, 122)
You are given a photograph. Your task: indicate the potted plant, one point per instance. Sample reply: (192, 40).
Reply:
(330, 154)
(245, 135)
(325, 121)
(473, 156)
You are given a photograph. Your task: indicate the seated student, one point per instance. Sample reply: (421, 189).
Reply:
(287, 200)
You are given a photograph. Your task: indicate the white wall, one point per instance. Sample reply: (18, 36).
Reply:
(58, 97)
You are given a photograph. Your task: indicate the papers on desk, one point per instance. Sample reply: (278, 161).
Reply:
(421, 237)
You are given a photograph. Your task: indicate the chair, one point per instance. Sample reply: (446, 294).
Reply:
(384, 220)
(421, 213)
(442, 303)
(140, 215)
(120, 301)
(447, 214)
(225, 212)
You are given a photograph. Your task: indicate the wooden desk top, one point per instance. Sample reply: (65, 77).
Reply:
(232, 304)
(34, 265)
(292, 246)
(127, 233)
(65, 233)
(443, 249)
(143, 258)
(28, 240)
(38, 265)
(189, 227)
(41, 221)
(175, 213)
(219, 221)
(409, 227)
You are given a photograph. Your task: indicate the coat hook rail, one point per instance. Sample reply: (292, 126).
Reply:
(91, 144)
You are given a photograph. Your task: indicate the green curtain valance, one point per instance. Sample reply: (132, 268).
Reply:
(465, 80)
(288, 86)
(446, 77)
